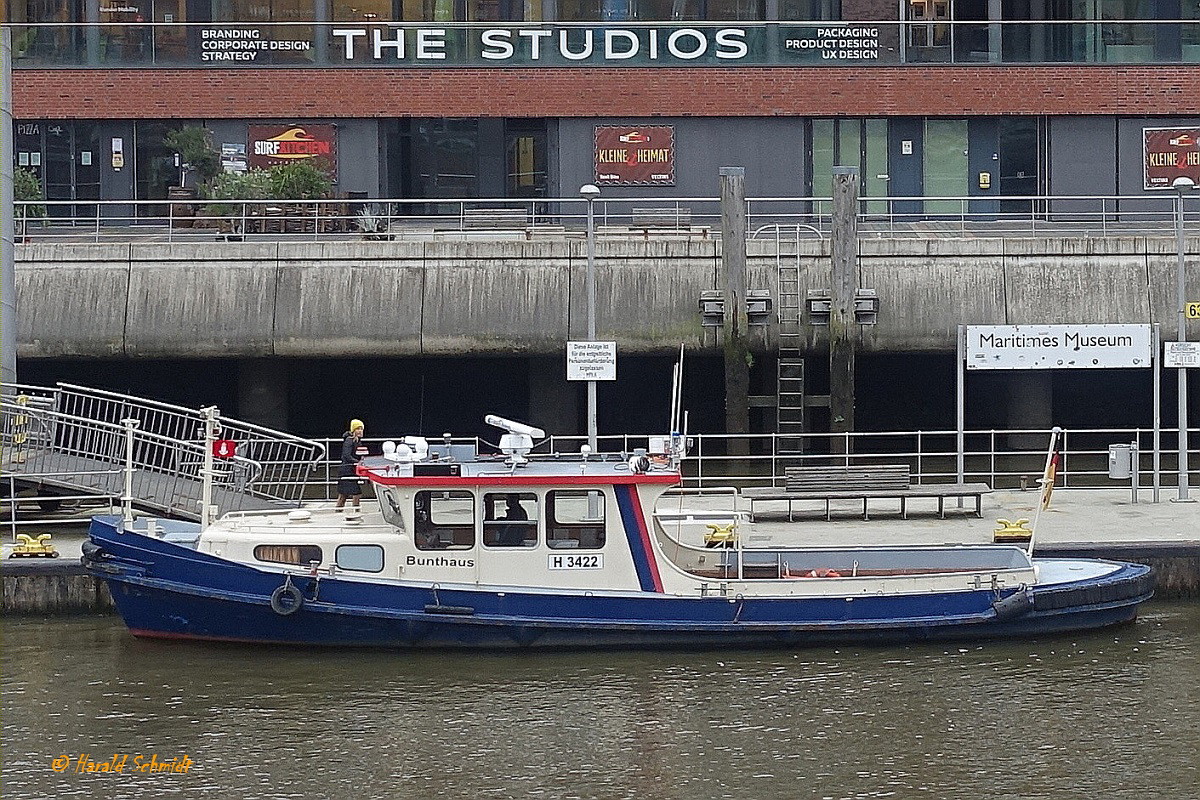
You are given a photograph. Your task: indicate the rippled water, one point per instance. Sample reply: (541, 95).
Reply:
(1108, 715)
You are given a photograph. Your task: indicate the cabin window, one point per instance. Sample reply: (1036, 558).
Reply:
(575, 519)
(361, 557)
(510, 519)
(444, 520)
(299, 554)
(389, 504)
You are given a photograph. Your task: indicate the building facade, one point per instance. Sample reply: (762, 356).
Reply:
(451, 99)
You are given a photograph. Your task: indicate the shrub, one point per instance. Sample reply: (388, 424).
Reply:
(299, 181)
(253, 184)
(195, 149)
(27, 188)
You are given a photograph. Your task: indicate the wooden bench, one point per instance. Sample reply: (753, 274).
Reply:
(493, 219)
(667, 217)
(886, 481)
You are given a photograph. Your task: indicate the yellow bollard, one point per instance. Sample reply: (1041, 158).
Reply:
(1012, 532)
(720, 535)
(33, 547)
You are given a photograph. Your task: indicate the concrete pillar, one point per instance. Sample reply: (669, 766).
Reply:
(493, 172)
(995, 14)
(1030, 395)
(263, 392)
(553, 401)
(843, 330)
(91, 14)
(8, 285)
(322, 12)
(733, 282)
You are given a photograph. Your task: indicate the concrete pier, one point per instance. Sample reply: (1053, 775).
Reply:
(400, 299)
(51, 586)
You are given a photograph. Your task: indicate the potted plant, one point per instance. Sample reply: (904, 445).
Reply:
(199, 163)
(231, 195)
(300, 181)
(374, 220)
(27, 189)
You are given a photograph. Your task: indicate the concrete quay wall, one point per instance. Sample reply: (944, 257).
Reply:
(496, 297)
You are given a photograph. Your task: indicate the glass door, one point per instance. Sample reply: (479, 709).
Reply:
(525, 160)
(875, 174)
(945, 165)
(1018, 161)
(860, 143)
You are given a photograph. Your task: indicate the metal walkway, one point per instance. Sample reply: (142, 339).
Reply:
(74, 440)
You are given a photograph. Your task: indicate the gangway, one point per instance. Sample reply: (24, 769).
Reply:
(74, 440)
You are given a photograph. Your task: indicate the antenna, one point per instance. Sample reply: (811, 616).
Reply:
(518, 440)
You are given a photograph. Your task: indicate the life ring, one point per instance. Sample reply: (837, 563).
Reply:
(284, 607)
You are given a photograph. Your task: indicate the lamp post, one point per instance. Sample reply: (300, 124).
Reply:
(1181, 185)
(589, 192)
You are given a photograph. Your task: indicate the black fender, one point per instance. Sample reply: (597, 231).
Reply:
(286, 600)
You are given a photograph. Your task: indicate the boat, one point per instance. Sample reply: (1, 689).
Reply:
(469, 548)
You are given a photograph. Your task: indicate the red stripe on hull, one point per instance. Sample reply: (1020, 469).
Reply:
(644, 531)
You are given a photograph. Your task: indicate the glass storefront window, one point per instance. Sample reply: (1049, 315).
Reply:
(362, 10)
(525, 158)
(1191, 33)
(665, 10)
(445, 158)
(154, 163)
(810, 9)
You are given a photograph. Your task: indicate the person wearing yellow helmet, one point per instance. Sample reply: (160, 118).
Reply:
(349, 485)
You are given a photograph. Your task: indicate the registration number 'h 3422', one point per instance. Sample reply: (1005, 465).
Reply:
(573, 561)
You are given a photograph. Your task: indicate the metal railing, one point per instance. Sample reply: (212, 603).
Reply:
(715, 463)
(999, 458)
(641, 43)
(76, 438)
(787, 218)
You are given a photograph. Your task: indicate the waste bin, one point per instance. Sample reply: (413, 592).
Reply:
(1120, 461)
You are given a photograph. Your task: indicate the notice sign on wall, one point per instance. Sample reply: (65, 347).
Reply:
(1170, 153)
(1057, 346)
(272, 145)
(638, 155)
(591, 361)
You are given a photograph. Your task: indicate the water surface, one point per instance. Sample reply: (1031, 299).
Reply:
(1114, 714)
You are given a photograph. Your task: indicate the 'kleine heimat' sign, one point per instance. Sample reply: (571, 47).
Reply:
(1169, 153)
(1058, 346)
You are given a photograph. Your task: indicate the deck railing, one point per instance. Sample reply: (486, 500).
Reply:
(715, 463)
(547, 219)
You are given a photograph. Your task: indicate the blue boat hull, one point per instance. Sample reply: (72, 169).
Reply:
(166, 590)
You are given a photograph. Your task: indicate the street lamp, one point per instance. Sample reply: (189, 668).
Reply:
(589, 192)
(1181, 185)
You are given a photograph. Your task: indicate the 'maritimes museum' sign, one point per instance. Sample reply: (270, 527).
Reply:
(548, 45)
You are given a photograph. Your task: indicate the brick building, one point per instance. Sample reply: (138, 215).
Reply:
(493, 98)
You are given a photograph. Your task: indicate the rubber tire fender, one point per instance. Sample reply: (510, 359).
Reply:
(284, 607)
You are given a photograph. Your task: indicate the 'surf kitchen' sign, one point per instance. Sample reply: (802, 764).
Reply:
(635, 155)
(273, 145)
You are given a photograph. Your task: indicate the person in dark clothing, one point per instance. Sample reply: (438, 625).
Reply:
(513, 534)
(353, 450)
